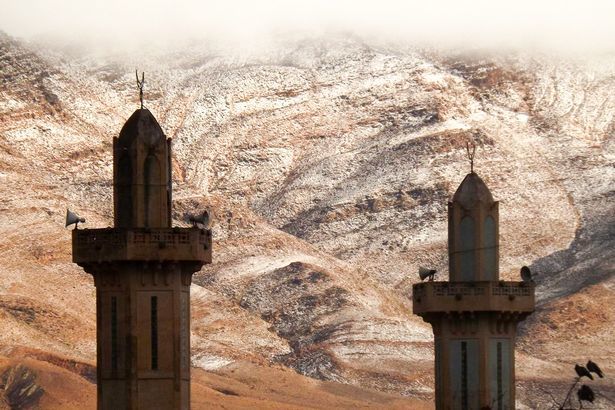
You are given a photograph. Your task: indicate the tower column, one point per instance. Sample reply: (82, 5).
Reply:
(142, 271)
(474, 315)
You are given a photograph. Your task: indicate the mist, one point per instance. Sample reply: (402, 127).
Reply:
(562, 26)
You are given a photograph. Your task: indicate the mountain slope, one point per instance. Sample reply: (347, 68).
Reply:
(327, 163)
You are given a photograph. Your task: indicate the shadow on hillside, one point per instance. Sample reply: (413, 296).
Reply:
(590, 258)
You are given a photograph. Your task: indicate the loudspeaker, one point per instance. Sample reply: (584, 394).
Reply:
(73, 218)
(426, 273)
(526, 274)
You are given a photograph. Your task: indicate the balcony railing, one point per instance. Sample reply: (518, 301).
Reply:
(432, 297)
(117, 244)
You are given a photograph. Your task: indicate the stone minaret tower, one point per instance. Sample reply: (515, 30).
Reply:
(142, 270)
(474, 315)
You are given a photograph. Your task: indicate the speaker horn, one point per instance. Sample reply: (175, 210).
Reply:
(426, 273)
(73, 218)
(526, 274)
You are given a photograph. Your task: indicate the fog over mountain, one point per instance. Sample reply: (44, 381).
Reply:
(327, 156)
(574, 26)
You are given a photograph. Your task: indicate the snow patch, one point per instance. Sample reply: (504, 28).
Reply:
(259, 265)
(210, 362)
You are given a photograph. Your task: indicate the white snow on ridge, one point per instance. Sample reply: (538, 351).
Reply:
(210, 362)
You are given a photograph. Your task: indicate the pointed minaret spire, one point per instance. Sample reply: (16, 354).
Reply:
(473, 232)
(142, 174)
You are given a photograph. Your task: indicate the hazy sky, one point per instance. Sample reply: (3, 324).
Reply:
(574, 24)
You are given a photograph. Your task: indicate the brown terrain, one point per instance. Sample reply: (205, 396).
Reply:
(327, 164)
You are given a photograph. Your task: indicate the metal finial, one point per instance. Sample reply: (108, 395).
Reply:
(471, 154)
(140, 85)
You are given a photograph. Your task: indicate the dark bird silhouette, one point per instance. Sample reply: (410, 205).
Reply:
(582, 371)
(593, 367)
(585, 393)
(526, 274)
(202, 219)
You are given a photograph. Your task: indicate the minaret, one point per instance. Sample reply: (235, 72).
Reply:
(474, 315)
(142, 270)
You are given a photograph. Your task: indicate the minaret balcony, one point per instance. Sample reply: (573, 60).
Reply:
(141, 244)
(483, 296)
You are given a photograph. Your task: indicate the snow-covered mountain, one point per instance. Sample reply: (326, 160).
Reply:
(328, 163)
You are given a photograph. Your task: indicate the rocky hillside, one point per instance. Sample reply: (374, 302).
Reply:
(328, 163)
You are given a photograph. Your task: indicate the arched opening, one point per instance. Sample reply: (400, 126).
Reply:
(124, 192)
(467, 249)
(169, 184)
(490, 249)
(500, 373)
(463, 364)
(151, 191)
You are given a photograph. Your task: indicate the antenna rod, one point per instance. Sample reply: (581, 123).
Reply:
(471, 154)
(140, 85)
